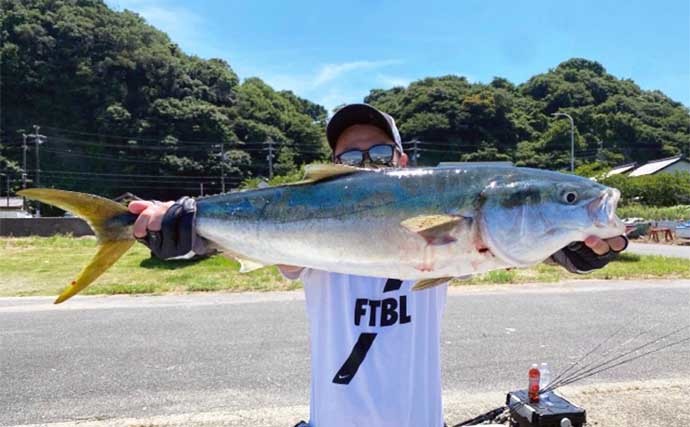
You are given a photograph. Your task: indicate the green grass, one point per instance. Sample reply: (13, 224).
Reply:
(680, 212)
(627, 266)
(43, 266)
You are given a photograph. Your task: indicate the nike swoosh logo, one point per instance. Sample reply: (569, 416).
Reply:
(341, 377)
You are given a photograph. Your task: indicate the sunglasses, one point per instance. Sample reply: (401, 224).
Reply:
(379, 154)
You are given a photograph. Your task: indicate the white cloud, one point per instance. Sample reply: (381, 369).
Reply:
(330, 72)
(334, 84)
(180, 23)
(392, 81)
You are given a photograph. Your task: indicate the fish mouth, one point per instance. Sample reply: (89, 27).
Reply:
(602, 210)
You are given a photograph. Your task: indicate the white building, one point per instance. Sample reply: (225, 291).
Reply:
(668, 165)
(622, 169)
(12, 207)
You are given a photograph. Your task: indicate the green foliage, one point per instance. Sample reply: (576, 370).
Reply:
(486, 152)
(635, 210)
(106, 86)
(592, 170)
(663, 189)
(288, 178)
(464, 118)
(116, 96)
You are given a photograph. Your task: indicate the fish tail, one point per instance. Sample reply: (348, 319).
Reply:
(109, 220)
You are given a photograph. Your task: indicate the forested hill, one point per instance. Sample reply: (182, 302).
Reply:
(615, 120)
(116, 97)
(124, 109)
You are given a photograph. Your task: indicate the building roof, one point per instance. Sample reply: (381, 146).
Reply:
(621, 169)
(655, 166)
(11, 203)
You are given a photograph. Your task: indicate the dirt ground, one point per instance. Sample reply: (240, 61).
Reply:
(638, 404)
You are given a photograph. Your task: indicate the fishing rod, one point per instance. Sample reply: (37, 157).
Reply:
(623, 362)
(595, 348)
(589, 370)
(600, 358)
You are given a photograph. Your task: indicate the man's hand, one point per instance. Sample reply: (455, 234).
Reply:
(602, 247)
(593, 253)
(150, 216)
(167, 228)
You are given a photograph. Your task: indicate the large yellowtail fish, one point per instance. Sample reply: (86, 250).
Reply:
(427, 224)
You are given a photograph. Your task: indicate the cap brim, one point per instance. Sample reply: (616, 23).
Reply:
(356, 114)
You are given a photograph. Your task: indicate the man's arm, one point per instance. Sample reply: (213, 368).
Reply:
(291, 272)
(167, 228)
(593, 253)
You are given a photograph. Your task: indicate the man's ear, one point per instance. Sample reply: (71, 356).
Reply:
(403, 160)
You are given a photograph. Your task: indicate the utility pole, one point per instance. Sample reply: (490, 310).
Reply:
(572, 138)
(24, 149)
(415, 151)
(7, 176)
(222, 167)
(600, 150)
(38, 140)
(201, 189)
(269, 157)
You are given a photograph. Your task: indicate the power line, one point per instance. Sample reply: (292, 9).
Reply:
(159, 139)
(111, 174)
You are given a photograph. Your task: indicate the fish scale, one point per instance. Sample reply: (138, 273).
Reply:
(426, 224)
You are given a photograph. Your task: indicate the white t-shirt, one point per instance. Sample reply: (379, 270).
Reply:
(375, 347)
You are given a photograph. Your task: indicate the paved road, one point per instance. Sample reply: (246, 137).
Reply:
(103, 357)
(658, 249)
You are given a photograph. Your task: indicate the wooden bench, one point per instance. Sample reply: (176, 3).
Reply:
(655, 232)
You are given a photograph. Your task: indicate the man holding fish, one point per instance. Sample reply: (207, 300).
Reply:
(375, 344)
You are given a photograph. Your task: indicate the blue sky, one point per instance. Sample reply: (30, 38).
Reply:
(335, 52)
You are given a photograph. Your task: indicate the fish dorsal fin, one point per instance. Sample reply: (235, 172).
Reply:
(320, 171)
(429, 283)
(434, 228)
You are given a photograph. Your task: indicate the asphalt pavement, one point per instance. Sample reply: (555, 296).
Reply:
(224, 357)
(659, 249)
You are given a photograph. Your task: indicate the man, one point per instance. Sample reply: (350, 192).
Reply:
(375, 345)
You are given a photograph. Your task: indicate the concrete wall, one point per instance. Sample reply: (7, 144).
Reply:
(21, 227)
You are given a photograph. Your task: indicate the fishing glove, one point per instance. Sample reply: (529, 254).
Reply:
(579, 258)
(177, 237)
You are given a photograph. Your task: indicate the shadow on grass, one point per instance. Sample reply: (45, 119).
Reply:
(154, 263)
(627, 258)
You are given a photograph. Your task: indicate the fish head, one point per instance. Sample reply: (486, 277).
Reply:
(529, 216)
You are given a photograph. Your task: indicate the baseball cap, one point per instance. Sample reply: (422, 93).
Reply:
(361, 114)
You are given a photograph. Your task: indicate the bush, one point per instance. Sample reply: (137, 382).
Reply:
(678, 213)
(652, 190)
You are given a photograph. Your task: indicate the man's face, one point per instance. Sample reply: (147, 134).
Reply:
(363, 137)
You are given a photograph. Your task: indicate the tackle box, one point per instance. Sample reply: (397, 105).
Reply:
(550, 411)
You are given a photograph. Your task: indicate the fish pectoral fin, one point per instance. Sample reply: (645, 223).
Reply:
(435, 229)
(429, 283)
(248, 265)
(320, 171)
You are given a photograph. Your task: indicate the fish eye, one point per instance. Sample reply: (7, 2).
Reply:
(570, 197)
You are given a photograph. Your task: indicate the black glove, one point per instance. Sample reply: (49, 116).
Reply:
(580, 258)
(177, 236)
